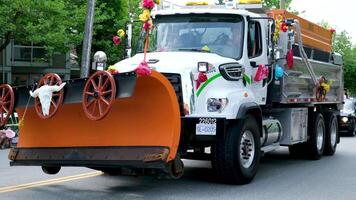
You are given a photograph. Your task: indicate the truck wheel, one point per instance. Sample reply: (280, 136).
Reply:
(331, 136)
(316, 142)
(236, 157)
(51, 170)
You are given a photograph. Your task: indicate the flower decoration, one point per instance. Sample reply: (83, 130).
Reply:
(121, 33)
(116, 40)
(119, 37)
(145, 15)
(143, 69)
(112, 70)
(284, 27)
(279, 21)
(149, 4)
(147, 25)
(278, 72)
(332, 30)
(202, 77)
(290, 61)
(157, 1)
(261, 73)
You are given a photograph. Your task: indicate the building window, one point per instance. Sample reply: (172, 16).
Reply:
(28, 53)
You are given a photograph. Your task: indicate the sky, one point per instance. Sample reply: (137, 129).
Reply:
(340, 14)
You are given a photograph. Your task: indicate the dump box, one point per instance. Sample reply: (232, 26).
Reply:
(313, 35)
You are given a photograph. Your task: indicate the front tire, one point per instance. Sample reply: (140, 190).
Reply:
(331, 137)
(236, 157)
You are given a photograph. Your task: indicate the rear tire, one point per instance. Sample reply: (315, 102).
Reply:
(331, 136)
(316, 142)
(236, 157)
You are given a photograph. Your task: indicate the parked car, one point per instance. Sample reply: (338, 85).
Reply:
(347, 119)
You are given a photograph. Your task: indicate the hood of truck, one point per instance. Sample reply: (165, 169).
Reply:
(172, 62)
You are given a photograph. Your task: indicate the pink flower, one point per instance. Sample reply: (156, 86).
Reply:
(149, 4)
(202, 77)
(116, 40)
(284, 27)
(8, 133)
(332, 30)
(147, 26)
(290, 61)
(143, 69)
(261, 73)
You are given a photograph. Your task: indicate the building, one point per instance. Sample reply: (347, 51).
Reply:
(25, 64)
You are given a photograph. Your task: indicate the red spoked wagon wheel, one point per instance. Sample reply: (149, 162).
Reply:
(99, 95)
(57, 97)
(7, 101)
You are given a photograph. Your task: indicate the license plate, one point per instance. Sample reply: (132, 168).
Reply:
(206, 128)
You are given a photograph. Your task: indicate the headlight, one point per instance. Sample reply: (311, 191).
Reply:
(344, 119)
(217, 105)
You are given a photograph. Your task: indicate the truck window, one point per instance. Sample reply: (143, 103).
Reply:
(222, 34)
(254, 39)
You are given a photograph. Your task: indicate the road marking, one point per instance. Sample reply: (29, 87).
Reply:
(49, 182)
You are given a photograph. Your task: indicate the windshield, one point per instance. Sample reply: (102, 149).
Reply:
(349, 105)
(220, 34)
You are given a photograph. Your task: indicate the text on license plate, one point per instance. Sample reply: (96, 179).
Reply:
(206, 127)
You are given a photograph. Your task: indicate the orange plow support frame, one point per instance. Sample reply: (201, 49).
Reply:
(150, 118)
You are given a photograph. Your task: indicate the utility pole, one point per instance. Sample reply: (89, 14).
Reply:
(282, 4)
(88, 35)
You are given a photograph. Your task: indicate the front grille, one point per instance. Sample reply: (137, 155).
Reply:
(175, 80)
(232, 72)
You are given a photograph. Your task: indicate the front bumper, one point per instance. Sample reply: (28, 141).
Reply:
(93, 157)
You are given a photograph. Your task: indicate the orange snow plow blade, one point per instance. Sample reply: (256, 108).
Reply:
(150, 118)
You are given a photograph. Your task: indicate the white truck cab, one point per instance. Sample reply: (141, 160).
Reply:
(240, 95)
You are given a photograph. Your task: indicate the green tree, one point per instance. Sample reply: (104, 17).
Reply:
(53, 24)
(276, 3)
(342, 44)
(59, 25)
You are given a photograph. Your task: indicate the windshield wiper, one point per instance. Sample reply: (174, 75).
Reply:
(196, 50)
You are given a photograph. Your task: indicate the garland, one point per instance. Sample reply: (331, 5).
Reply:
(145, 17)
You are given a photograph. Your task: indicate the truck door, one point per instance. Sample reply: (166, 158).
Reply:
(257, 54)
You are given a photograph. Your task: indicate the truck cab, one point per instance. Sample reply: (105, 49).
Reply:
(215, 51)
(247, 85)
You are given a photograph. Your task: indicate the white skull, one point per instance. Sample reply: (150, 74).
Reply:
(44, 93)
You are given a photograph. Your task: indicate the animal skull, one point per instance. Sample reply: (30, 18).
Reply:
(44, 93)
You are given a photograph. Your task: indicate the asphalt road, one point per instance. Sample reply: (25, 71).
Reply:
(279, 177)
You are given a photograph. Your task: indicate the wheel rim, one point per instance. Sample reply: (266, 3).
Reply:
(7, 101)
(320, 136)
(57, 97)
(99, 95)
(333, 132)
(247, 149)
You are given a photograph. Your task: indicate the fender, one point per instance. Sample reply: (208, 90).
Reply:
(251, 108)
